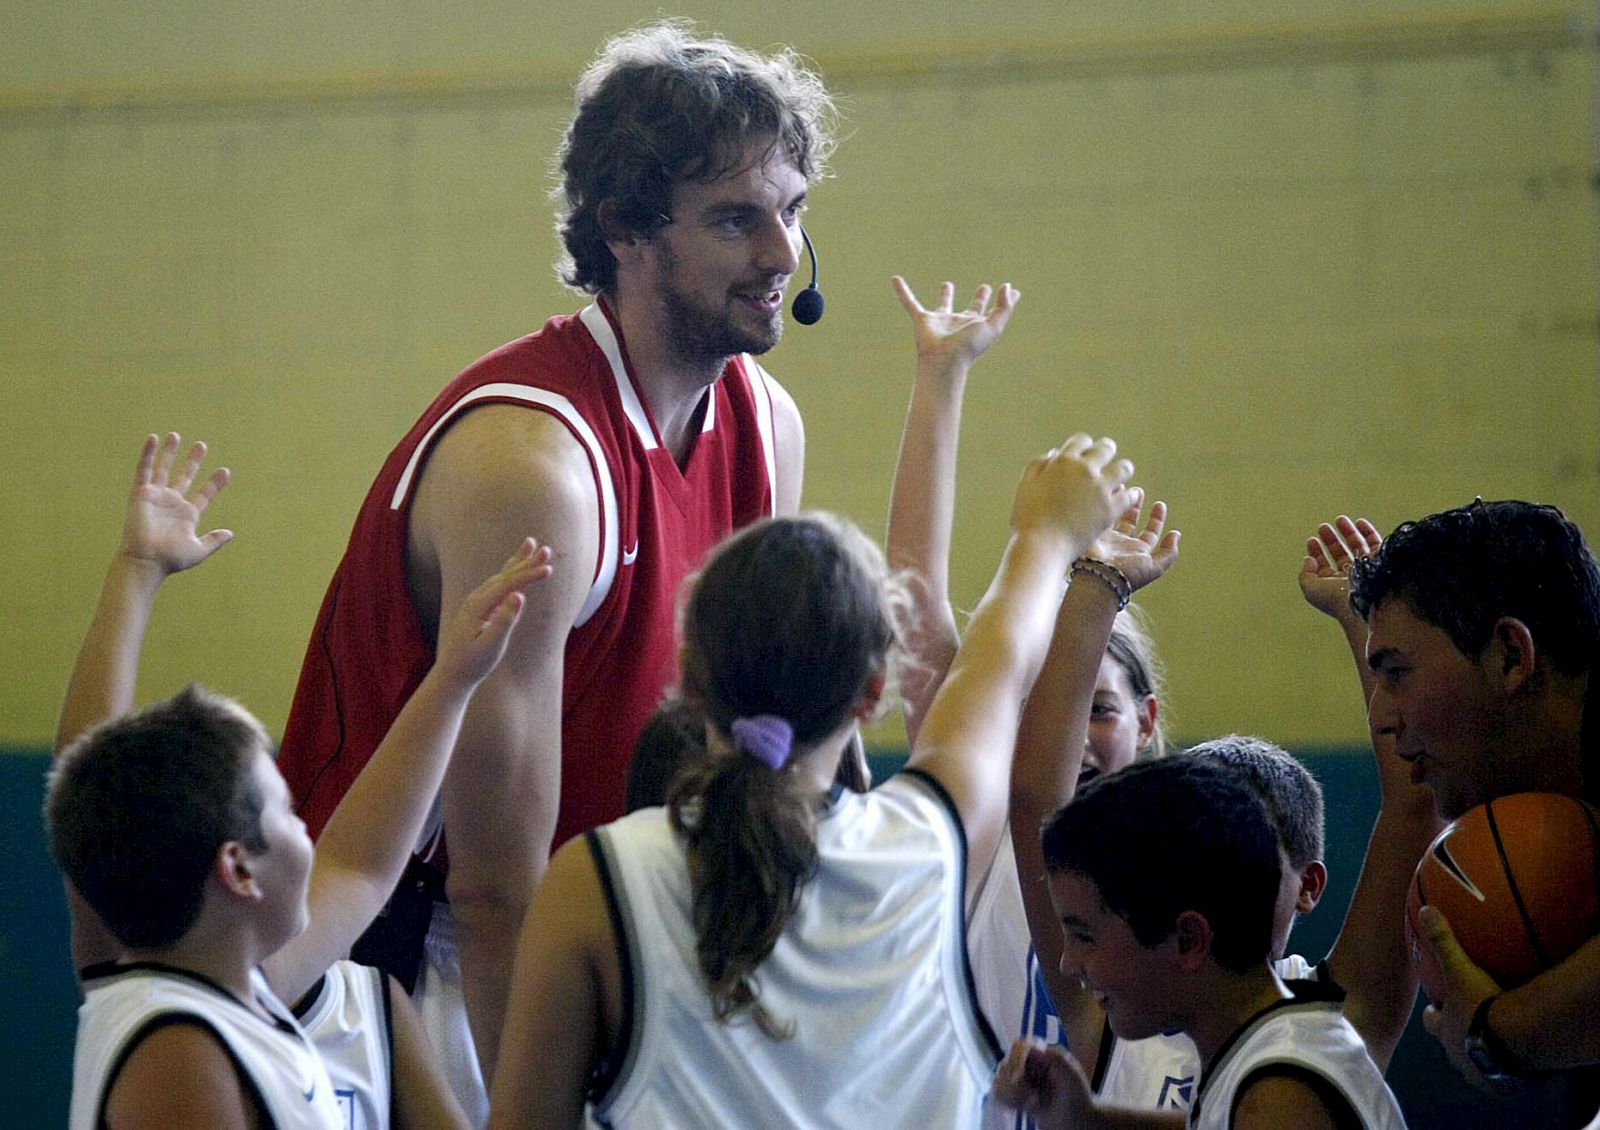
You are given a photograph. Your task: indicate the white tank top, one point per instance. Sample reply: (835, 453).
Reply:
(274, 1058)
(1306, 1033)
(1160, 1072)
(871, 971)
(347, 1020)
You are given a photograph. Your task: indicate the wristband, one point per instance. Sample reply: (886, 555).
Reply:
(1499, 1066)
(1107, 574)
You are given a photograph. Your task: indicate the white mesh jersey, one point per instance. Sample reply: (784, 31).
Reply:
(1011, 988)
(346, 1018)
(1306, 1036)
(1160, 1072)
(125, 1003)
(871, 972)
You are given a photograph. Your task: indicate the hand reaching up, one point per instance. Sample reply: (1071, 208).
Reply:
(1325, 572)
(1143, 553)
(951, 339)
(473, 642)
(1073, 492)
(163, 516)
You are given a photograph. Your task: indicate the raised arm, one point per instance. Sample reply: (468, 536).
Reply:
(1067, 498)
(369, 837)
(1054, 727)
(1371, 958)
(922, 505)
(159, 537)
(496, 474)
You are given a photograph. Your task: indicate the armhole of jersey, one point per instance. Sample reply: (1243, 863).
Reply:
(385, 989)
(564, 410)
(1338, 1103)
(985, 1031)
(1102, 1059)
(611, 1071)
(765, 390)
(167, 1020)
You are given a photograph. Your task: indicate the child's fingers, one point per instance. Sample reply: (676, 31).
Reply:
(209, 489)
(147, 460)
(190, 468)
(163, 460)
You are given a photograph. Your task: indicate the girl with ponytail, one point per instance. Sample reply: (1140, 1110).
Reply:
(771, 949)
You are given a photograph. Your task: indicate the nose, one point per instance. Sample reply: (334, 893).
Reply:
(779, 249)
(1382, 717)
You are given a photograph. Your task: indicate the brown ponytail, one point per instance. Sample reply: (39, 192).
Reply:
(789, 618)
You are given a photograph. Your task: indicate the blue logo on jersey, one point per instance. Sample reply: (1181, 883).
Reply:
(1176, 1093)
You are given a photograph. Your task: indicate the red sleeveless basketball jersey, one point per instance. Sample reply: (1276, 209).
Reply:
(368, 651)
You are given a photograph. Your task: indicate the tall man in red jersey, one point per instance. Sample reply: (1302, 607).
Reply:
(630, 437)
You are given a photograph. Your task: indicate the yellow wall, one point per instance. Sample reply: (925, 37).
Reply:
(1298, 257)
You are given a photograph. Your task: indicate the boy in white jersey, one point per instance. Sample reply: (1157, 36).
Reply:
(1165, 877)
(195, 903)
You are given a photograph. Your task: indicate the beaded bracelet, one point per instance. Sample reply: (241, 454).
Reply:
(1107, 574)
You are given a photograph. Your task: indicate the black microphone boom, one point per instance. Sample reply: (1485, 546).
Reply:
(807, 306)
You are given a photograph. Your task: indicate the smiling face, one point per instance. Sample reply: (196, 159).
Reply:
(1443, 709)
(721, 265)
(1121, 723)
(1134, 984)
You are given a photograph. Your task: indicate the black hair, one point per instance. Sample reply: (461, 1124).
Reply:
(1176, 834)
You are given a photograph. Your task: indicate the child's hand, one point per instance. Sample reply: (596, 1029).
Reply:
(950, 339)
(163, 515)
(1325, 572)
(1073, 491)
(1143, 555)
(474, 641)
(1045, 1083)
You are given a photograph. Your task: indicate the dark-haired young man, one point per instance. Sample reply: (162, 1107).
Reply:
(633, 435)
(1484, 627)
(1165, 876)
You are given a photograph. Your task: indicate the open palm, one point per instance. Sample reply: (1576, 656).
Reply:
(163, 518)
(1142, 551)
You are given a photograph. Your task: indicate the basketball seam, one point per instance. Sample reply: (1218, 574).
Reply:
(1516, 893)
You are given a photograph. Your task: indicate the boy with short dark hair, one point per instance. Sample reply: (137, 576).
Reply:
(194, 899)
(1164, 877)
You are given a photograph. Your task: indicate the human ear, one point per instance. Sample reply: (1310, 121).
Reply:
(235, 872)
(1149, 710)
(1193, 937)
(1512, 654)
(1313, 881)
(623, 241)
(872, 694)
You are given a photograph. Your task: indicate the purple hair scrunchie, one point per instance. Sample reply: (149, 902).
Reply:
(765, 737)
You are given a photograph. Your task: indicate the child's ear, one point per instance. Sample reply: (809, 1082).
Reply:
(1313, 881)
(872, 694)
(235, 872)
(1193, 937)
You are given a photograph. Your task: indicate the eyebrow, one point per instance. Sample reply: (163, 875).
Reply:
(1073, 922)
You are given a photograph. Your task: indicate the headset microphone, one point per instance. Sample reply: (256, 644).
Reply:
(807, 306)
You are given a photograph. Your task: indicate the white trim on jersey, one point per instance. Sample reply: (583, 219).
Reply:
(767, 389)
(560, 406)
(594, 320)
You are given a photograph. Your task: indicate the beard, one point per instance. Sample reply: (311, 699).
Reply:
(706, 336)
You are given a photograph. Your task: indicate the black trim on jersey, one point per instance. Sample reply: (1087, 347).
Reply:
(613, 1066)
(168, 1020)
(1307, 994)
(985, 1032)
(117, 968)
(1336, 1101)
(1102, 1063)
(302, 1007)
(386, 983)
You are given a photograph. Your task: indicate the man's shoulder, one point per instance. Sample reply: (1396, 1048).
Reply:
(560, 349)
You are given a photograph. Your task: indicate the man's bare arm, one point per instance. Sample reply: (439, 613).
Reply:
(789, 442)
(495, 475)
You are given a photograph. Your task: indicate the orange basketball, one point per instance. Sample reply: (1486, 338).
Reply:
(1517, 880)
